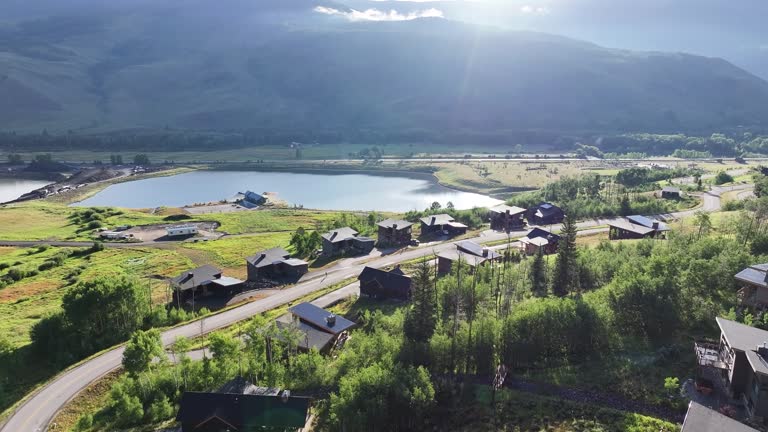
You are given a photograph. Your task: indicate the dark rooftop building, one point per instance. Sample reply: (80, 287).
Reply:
(506, 218)
(382, 284)
(344, 241)
(754, 291)
(468, 252)
(394, 232)
(636, 227)
(545, 214)
(241, 406)
(275, 263)
(320, 329)
(252, 200)
(670, 192)
(203, 282)
(321, 318)
(539, 239)
(441, 224)
(702, 419)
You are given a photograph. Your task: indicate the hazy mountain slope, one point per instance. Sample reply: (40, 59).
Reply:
(276, 64)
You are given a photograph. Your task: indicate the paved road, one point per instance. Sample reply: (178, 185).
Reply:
(36, 413)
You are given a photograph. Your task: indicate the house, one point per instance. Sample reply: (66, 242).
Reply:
(469, 253)
(241, 406)
(540, 239)
(545, 214)
(252, 200)
(394, 232)
(670, 192)
(274, 263)
(382, 284)
(754, 291)
(506, 218)
(319, 329)
(442, 224)
(702, 419)
(344, 241)
(636, 227)
(739, 364)
(181, 231)
(205, 281)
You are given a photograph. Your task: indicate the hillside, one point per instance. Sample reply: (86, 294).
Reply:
(279, 65)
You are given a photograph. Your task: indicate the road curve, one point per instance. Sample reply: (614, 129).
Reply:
(37, 411)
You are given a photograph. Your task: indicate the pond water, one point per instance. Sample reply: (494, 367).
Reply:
(10, 188)
(323, 191)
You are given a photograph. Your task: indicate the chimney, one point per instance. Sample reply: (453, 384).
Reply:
(433, 220)
(333, 236)
(485, 252)
(285, 395)
(765, 279)
(507, 212)
(655, 225)
(762, 350)
(330, 320)
(394, 227)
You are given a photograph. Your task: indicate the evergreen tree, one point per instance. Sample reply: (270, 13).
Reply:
(565, 278)
(421, 321)
(538, 275)
(625, 209)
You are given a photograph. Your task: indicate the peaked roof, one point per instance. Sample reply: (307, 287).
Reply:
(312, 337)
(647, 222)
(394, 279)
(438, 219)
(243, 411)
(702, 419)
(340, 234)
(671, 189)
(755, 275)
(545, 208)
(196, 277)
(240, 385)
(318, 318)
(503, 208)
(628, 226)
(541, 232)
(268, 257)
(475, 249)
(745, 338)
(391, 223)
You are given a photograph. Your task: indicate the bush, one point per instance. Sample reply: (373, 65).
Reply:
(16, 274)
(177, 217)
(94, 225)
(722, 178)
(84, 423)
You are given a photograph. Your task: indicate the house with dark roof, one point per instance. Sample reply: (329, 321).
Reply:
(318, 328)
(252, 200)
(203, 282)
(344, 241)
(506, 218)
(545, 214)
(702, 419)
(241, 406)
(441, 224)
(539, 239)
(382, 284)
(670, 192)
(739, 360)
(275, 263)
(636, 227)
(467, 252)
(754, 286)
(393, 232)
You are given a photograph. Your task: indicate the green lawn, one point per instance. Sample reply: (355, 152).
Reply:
(231, 251)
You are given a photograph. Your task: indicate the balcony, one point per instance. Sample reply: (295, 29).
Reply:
(708, 354)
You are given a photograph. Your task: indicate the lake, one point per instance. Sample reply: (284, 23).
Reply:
(324, 191)
(11, 188)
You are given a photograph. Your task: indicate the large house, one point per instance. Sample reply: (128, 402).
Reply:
(275, 263)
(670, 192)
(382, 284)
(539, 239)
(319, 328)
(252, 200)
(442, 224)
(467, 252)
(242, 406)
(506, 218)
(754, 290)
(394, 232)
(545, 214)
(739, 361)
(702, 419)
(201, 282)
(346, 241)
(636, 227)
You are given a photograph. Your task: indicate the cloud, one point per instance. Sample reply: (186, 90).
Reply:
(379, 15)
(538, 10)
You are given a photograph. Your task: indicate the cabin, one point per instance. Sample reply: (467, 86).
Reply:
(442, 224)
(754, 286)
(181, 231)
(545, 214)
(736, 365)
(319, 328)
(506, 218)
(381, 284)
(242, 406)
(636, 227)
(469, 253)
(394, 232)
(702, 419)
(670, 192)
(275, 263)
(539, 239)
(202, 282)
(345, 241)
(252, 200)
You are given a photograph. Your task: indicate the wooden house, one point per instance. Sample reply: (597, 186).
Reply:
(441, 224)
(670, 192)
(545, 214)
(539, 239)
(506, 218)
(202, 282)
(754, 286)
(344, 241)
(394, 232)
(319, 328)
(275, 263)
(382, 284)
(241, 406)
(636, 227)
(467, 252)
(739, 361)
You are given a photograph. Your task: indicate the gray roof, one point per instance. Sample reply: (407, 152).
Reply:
(702, 419)
(538, 241)
(239, 385)
(318, 318)
(647, 222)
(268, 257)
(196, 277)
(226, 281)
(438, 219)
(313, 338)
(745, 338)
(671, 189)
(339, 235)
(628, 226)
(475, 249)
(390, 223)
(754, 275)
(455, 254)
(503, 209)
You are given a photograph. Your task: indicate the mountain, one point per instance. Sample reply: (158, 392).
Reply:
(281, 65)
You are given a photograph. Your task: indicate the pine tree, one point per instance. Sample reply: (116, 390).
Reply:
(421, 321)
(538, 275)
(565, 277)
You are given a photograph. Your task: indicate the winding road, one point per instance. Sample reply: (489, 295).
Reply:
(38, 410)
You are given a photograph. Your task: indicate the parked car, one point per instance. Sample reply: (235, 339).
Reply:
(415, 242)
